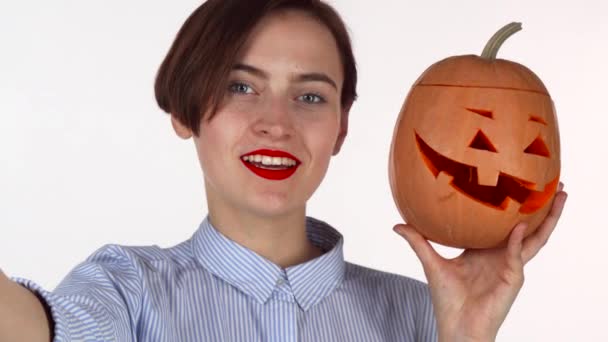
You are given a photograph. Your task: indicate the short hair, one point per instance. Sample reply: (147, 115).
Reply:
(193, 77)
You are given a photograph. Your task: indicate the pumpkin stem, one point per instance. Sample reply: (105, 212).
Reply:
(491, 49)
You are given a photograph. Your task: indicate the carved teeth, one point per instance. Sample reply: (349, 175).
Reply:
(268, 160)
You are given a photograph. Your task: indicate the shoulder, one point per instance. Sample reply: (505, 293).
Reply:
(387, 286)
(143, 256)
(402, 305)
(127, 268)
(358, 273)
(119, 264)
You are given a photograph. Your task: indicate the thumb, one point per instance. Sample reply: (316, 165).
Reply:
(423, 249)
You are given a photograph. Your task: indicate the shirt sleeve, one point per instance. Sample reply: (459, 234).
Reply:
(99, 300)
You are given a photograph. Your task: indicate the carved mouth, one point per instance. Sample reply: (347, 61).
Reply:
(464, 179)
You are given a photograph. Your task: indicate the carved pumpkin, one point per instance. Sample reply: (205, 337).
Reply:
(475, 149)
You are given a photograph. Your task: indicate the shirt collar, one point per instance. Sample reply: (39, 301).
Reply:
(256, 276)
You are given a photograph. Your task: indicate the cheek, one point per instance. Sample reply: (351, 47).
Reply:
(322, 138)
(214, 141)
(321, 146)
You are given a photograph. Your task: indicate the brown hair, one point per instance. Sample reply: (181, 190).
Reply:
(193, 77)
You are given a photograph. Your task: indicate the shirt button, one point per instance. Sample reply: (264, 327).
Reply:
(280, 282)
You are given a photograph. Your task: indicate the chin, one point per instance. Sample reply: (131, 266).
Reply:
(276, 205)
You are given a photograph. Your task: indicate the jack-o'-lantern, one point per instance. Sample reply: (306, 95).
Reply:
(475, 149)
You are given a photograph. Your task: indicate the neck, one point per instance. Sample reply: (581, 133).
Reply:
(280, 239)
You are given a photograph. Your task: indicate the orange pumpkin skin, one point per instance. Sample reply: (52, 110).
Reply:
(475, 150)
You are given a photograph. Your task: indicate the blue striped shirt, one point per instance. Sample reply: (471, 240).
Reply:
(210, 288)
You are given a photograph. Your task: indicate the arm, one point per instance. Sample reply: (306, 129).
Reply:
(23, 316)
(99, 300)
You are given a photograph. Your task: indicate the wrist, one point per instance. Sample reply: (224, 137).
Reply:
(458, 335)
(450, 338)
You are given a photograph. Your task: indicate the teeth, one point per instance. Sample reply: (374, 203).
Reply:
(268, 160)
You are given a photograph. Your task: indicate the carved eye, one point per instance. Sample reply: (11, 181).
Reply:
(535, 118)
(538, 147)
(483, 112)
(481, 142)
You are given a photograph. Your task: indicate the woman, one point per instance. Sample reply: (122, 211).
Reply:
(263, 88)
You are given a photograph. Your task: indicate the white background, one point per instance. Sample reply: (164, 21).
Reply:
(87, 158)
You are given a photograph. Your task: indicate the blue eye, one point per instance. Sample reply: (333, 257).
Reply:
(240, 88)
(312, 98)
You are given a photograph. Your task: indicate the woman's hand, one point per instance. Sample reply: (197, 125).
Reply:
(473, 292)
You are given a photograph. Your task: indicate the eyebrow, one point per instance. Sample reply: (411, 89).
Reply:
(307, 77)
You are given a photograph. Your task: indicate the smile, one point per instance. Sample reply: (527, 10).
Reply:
(271, 164)
(464, 179)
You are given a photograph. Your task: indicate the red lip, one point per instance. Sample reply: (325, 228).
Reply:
(272, 174)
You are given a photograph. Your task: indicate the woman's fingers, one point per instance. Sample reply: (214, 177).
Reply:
(515, 245)
(516, 240)
(423, 249)
(533, 243)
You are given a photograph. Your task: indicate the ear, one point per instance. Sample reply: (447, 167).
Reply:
(181, 130)
(343, 127)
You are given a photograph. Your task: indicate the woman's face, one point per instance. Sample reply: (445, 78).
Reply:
(268, 147)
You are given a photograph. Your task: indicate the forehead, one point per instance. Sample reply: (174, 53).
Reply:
(292, 40)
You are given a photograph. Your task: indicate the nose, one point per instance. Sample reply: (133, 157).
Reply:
(275, 121)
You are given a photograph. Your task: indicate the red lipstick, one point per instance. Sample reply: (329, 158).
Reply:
(268, 172)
